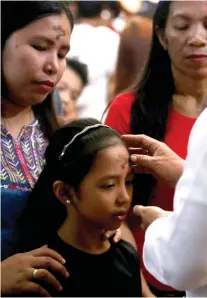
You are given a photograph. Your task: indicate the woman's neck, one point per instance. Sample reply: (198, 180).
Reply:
(190, 98)
(83, 235)
(14, 117)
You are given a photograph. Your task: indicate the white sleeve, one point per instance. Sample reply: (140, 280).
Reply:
(175, 249)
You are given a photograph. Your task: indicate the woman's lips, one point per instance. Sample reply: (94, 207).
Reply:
(198, 58)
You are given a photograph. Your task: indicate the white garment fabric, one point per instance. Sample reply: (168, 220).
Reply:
(175, 249)
(98, 48)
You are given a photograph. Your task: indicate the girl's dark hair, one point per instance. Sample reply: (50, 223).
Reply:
(153, 98)
(16, 15)
(44, 213)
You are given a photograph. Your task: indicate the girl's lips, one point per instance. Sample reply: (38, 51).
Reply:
(120, 216)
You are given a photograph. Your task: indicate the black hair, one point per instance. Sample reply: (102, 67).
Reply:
(114, 6)
(90, 9)
(14, 16)
(80, 68)
(153, 98)
(44, 213)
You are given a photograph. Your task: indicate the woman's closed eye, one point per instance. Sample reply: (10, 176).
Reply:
(183, 27)
(39, 48)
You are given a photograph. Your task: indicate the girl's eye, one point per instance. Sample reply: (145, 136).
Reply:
(39, 48)
(108, 186)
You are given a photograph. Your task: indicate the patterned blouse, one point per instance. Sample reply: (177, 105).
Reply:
(22, 160)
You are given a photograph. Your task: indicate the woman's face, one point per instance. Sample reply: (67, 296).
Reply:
(185, 38)
(34, 59)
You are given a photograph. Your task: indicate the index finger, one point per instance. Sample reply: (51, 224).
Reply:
(141, 141)
(45, 251)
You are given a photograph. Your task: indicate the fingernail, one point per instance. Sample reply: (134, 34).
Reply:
(133, 158)
(60, 288)
(67, 274)
(63, 261)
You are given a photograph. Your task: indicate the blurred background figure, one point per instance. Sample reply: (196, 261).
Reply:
(131, 8)
(133, 53)
(110, 11)
(96, 45)
(70, 87)
(73, 6)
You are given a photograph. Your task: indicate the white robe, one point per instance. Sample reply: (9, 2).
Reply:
(175, 249)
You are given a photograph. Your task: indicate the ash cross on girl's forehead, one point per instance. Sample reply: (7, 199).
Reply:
(126, 161)
(61, 32)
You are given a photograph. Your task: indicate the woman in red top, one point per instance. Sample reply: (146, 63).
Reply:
(168, 98)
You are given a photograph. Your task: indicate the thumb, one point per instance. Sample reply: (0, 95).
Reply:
(142, 160)
(138, 210)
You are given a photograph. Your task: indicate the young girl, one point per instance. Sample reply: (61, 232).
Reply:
(85, 188)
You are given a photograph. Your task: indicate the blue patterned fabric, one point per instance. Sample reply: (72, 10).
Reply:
(22, 161)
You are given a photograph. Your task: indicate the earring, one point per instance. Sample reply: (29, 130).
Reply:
(68, 202)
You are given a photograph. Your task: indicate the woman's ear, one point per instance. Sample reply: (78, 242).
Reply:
(162, 38)
(64, 193)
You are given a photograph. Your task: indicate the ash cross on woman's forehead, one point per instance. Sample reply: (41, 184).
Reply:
(61, 32)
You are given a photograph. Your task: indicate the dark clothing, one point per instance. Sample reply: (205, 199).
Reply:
(113, 273)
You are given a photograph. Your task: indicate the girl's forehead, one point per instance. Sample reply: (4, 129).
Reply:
(113, 156)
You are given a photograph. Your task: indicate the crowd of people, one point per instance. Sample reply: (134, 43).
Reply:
(103, 149)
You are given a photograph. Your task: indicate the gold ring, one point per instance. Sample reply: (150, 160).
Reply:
(34, 274)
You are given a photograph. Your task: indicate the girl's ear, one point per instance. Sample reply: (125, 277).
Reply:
(61, 191)
(64, 193)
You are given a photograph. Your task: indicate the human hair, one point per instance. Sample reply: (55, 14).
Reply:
(153, 98)
(135, 41)
(16, 15)
(44, 213)
(90, 9)
(80, 68)
(114, 7)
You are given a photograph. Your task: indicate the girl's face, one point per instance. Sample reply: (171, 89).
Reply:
(34, 59)
(185, 37)
(105, 194)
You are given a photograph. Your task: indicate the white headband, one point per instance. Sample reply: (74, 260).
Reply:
(80, 133)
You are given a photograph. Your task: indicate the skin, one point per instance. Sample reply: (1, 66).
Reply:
(186, 34)
(40, 47)
(156, 158)
(104, 191)
(190, 78)
(26, 60)
(70, 87)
